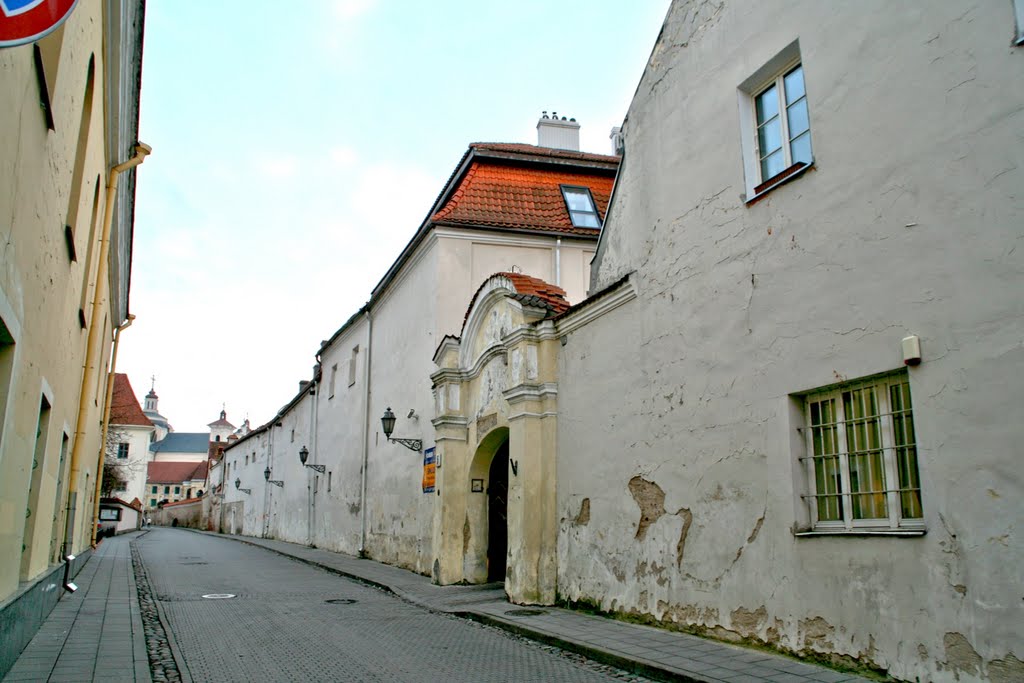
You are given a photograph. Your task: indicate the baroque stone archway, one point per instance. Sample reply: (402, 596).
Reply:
(497, 384)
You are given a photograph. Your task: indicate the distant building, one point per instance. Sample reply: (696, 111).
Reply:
(174, 481)
(221, 429)
(129, 437)
(153, 413)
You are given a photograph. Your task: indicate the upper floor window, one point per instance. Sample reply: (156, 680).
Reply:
(581, 207)
(861, 459)
(122, 451)
(783, 124)
(775, 124)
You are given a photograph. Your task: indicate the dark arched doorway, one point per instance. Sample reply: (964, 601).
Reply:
(497, 515)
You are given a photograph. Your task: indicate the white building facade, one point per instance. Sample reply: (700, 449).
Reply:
(801, 431)
(358, 492)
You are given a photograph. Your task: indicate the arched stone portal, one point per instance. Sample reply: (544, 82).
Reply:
(496, 406)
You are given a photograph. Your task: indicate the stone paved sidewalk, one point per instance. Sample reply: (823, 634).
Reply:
(96, 633)
(653, 652)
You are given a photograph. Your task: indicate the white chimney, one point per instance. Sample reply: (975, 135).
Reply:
(618, 140)
(560, 133)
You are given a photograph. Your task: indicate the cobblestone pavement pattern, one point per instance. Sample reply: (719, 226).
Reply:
(95, 634)
(281, 627)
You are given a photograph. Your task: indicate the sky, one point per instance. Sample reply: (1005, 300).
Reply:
(295, 154)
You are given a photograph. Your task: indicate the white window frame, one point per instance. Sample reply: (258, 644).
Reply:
(770, 74)
(894, 522)
(123, 447)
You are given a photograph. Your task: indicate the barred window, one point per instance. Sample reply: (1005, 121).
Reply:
(861, 457)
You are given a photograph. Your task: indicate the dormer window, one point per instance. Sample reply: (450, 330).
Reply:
(581, 207)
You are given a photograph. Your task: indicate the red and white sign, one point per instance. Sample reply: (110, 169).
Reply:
(26, 21)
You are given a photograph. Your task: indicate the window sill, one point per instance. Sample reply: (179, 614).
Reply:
(791, 173)
(861, 532)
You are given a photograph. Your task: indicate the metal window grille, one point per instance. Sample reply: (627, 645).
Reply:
(861, 457)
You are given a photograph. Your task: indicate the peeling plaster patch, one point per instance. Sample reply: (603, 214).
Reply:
(651, 500)
(817, 633)
(1005, 670)
(960, 588)
(922, 652)
(993, 493)
(681, 545)
(465, 535)
(960, 654)
(583, 518)
(747, 622)
(353, 508)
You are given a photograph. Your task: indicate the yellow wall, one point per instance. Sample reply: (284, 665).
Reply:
(48, 179)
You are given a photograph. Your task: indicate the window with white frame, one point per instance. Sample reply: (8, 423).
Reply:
(783, 124)
(122, 451)
(775, 126)
(861, 461)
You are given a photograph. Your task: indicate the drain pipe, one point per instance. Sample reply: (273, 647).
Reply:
(106, 420)
(366, 434)
(315, 420)
(92, 344)
(558, 261)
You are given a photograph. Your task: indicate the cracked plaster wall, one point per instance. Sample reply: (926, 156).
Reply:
(910, 223)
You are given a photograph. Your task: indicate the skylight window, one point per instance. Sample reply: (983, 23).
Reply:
(581, 207)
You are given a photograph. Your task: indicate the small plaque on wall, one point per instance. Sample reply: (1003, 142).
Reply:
(478, 486)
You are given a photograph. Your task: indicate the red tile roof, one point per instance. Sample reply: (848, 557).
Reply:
(124, 407)
(508, 195)
(176, 472)
(182, 502)
(529, 290)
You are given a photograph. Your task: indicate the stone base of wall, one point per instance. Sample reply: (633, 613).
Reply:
(25, 611)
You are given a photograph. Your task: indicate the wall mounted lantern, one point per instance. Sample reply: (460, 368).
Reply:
(266, 475)
(238, 485)
(388, 423)
(304, 456)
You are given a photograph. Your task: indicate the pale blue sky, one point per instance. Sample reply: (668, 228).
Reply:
(295, 154)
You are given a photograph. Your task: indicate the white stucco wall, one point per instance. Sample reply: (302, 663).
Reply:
(137, 439)
(678, 405)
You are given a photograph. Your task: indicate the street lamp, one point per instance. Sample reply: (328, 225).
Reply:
(238, 485)
(304, 456)
(388, 423)
(266, 475)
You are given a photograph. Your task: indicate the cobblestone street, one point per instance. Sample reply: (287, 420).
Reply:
(290, 621)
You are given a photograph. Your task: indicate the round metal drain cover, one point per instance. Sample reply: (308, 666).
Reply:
(340, 601)
(219, 596)
(525, 612)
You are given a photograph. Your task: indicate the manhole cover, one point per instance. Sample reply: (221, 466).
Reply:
(219, 596)
(340, 601)
(525, 612)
